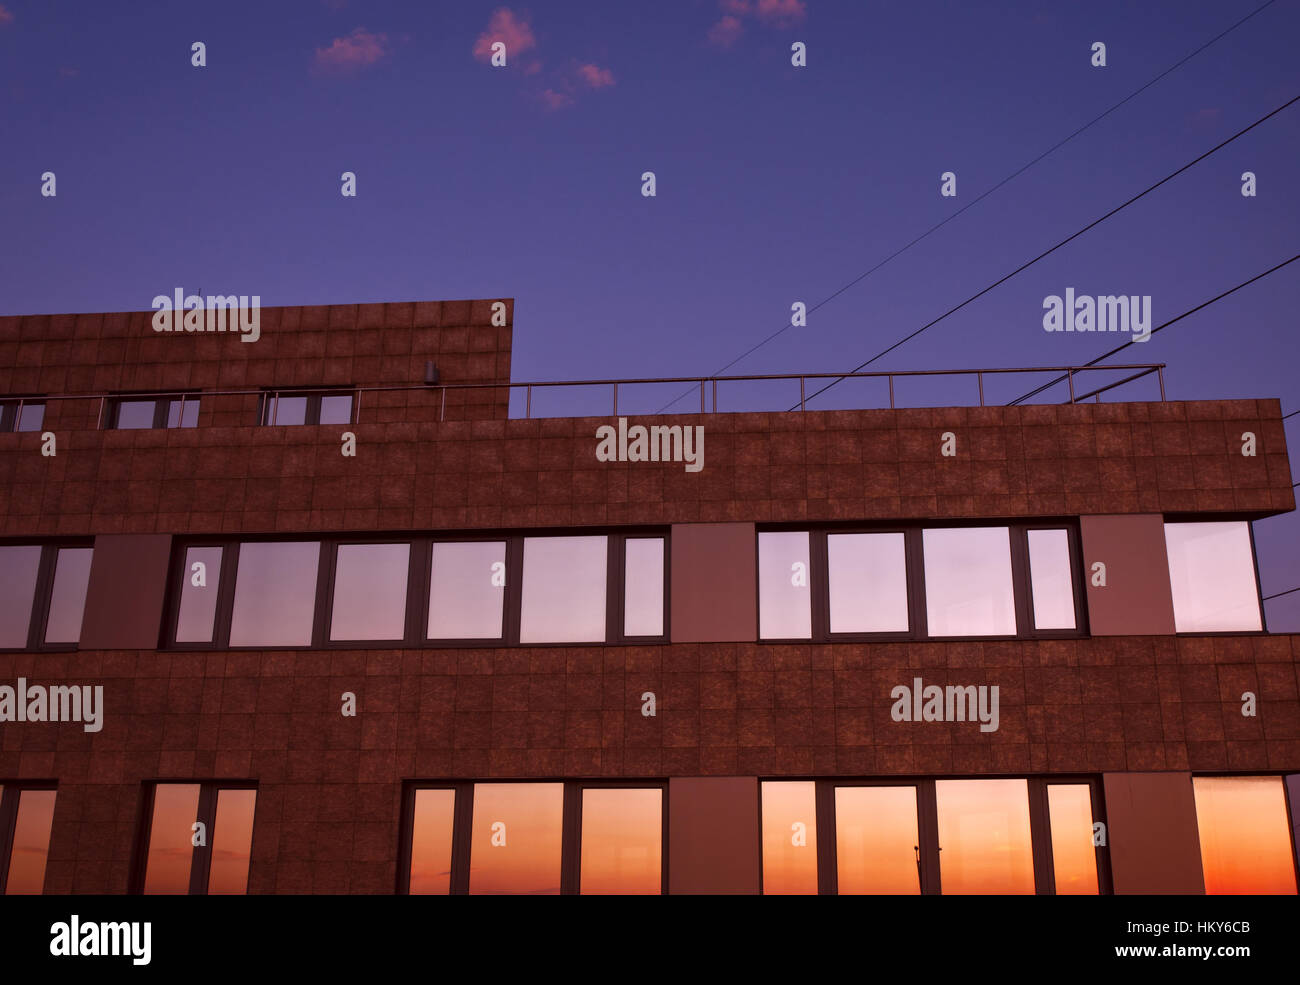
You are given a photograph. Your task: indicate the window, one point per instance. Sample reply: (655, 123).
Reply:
(1212, 574)
(172, 411)
(26, 818)
(22, 415)
(1245, 835)
(275, 594)
(784, 596)
(170, 863)
(789, 837)
(644, 586)
(467, 590)
(1074, 839)
(281, 407)
(984, 837)
(200, 583)
(1051, 578)
(534, 838)
(867, 582)
(370, 592)
(42, 595)
(968, 589)
(564, 590)
(877, 839)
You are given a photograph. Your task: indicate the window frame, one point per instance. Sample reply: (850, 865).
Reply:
(914, 555)
(571, 837)
(927, 820)
(38, 619)
(10, 416)
(201, 860)
(10, 797)
(161, 409)
(268, 405)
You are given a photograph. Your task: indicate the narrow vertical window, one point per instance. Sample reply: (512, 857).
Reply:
(1051, 580)
(232, 842)
(200, 581)
(643, 587)
(19, 567)
(68, 596)
(1245, 836)
(31, 842)
(784, 597)
(1074, 854)
(789, 837)
(516, 839)
(431, 842)
(877, 840)
(622, 841)
(171, 846)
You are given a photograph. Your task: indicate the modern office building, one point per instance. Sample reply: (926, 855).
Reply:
(316, 614)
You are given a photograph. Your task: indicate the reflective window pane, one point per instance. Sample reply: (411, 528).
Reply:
(19, 566)
(643, 589)
(467, 590)
(232, 842)
(563, 590)
(1074, 857)
(68, 596)
(515, 840)
(876, 840)
(183, 414)
(789, 837)
(370, 592)
(133, 414)
(200, 581)
(1245, 836)
(171, 848)
(867, 583)
(30, 418)
(275, 594)
(968, 582)
(984, 837)
(431, 839)
(31, 846)
(285, 410)
(336, 409)
(1212, 574)
(784, 599)
(1051, 579)
(622, 841)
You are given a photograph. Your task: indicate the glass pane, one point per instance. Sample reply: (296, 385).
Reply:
(370, 592)
(132, 414)
(968, 582)
(199, 584)
(784, 601)
(467, 590)
(876, 840)
(1074, 857)
(563, 590)
(435, 818)
(622, 838)
(68, 596)
(643, 589)
(19, 566)
(515, 842)
(285, 410)
(868, 583)
(183, 416)
(1212, 573)
(171, 846)
(789, 838)
(1051, 580)
(31, 417)
(336, 409)
(984, 837)
(1245, 841)
(275, 594)
(31, 842)
(232, 842)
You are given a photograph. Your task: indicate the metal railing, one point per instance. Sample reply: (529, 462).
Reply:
(708, 387)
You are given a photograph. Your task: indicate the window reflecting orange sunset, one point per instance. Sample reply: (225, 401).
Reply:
(984, 837)
(31, 844)
(789, 854)
(516, 838)
(171, 848)
(232, 842)
(876, 839)
(1245, 841)
(435, 817)
(1074, 857)
(622, 836)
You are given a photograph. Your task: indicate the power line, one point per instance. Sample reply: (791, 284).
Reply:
(1292, 414)
(1177, 318)
(1068, 239)
(1015, 174)
(1279, 594)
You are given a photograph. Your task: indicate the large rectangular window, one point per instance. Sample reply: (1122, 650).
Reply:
(877, 840)
(275, 594)
(784, 579)
(622, 841)
(968, 586)
(517, 837)
(467, 590)
(1245, 834)
(1212, 575)
(370, 592)
(867, 583)
(26, 819)
(984, 837)
(171, 863)
(564, 588)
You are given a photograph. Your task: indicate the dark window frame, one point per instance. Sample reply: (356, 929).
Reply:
(571, 837)
(268, 405)
(9, 801)
(9, 417)
(927, 819)
(38, 621)
(914, 553)
(201, 862)
(161, 409)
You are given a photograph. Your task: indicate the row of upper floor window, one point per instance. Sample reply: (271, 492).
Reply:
(1022, 580)
(127, 412)
(902, 836)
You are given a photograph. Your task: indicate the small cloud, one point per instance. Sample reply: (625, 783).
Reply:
(505, 26)
(736, 6)
(595, 76)
(727, 31)
(553, 100)
(5, 16)
(782, 13)
(359, 49)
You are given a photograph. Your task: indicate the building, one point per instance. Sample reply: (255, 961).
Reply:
(1029, 636)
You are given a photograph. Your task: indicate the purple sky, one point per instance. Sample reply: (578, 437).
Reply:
(775, 184)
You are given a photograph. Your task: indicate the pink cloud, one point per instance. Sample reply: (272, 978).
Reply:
(517, 34)
(595, 76)
(781, 12)
(555, 100)
(358, 50)
(727, 31)
(5, 16)
(736, 6)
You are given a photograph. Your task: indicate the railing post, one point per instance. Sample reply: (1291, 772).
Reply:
(980, 377)
(442, 414)
(801, 402)
(891, 391)
(528, 401)
(616, 398)
(356, 407)
(1160, 374)
(1069, 376)
(701, 396)
(99, 420)
(715, 396)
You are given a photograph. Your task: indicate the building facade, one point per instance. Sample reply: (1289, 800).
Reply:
(316, 615)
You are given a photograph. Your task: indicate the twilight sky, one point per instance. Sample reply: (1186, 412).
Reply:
(775, 184)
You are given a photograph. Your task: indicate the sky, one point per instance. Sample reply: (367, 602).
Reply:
(775, 184)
